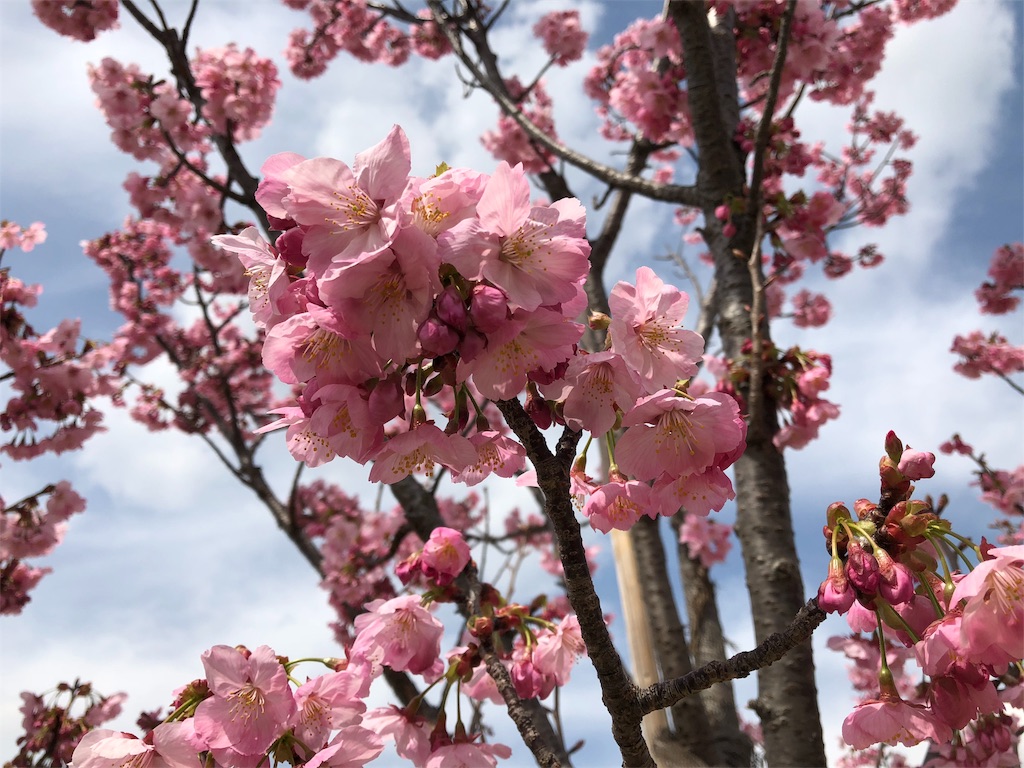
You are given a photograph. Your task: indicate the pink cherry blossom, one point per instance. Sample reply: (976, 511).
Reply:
(645, 330)
(602, 386)
(410, 732)
(891, 720)
(835, 593)
(419, 450)
(77, 19)
(563, 37)
(400, 634)
(467, 755)
(699, 493)
(992, 627)
(535, 255)
(706, 539)
(328, 702)
(916, 465)
(387, 295)
(167, 747)
(496, 454)
(444, 555)
(557, 651)
(677, 435)
(528, 342)
(618, 504)
(267, 272)
(251, 704)
(348, 211)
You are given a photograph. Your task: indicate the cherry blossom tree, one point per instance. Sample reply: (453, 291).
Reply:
(458, 329)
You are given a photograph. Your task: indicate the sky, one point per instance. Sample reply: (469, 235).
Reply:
(172, 556)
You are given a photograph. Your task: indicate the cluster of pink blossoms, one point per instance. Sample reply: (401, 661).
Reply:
(52, 380)
(894, 572)
(245, 711)
(30, 529)
(456, 289)
(55, 722)
(78, 19)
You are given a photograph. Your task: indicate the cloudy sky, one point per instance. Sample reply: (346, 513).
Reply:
(172, 557)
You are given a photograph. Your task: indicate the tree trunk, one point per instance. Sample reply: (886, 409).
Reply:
(787, 694)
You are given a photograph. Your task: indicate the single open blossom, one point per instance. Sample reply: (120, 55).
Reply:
(267, 271)
(329, 702)
(645, 330)
(410, 732)
(891, 720)
(400, 634)
(601, 382)
(699, 493)
(992, 627)
(347, 211)
(537, 255)
(251, 704)
(679, 436)
(496, 454)
(419, 450)
(557, 651)
(167, 747)
(444, 555)
(618, 504)
(527, 342)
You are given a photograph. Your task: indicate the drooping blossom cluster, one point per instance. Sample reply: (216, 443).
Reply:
(51, 381)
(896, 572)
(54, 723)
(510, 143)
(359, 30)
(1006, 275)
(1002, 489)
(794, 380)
(563, 37)
(30, 528)
(238, 89)
(78, 19)
(458, 289)
(638, 83)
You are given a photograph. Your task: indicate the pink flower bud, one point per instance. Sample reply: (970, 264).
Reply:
(917, 465)
(451, 309)
(834, 594)
(289, 245)
(896, 584)
(436, 338)
(862, 570)
(488, 308)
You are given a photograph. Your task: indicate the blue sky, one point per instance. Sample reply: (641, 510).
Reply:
(172, 557)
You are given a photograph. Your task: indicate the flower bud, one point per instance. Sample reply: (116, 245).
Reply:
(451, 309)
(488, 308)
(436, 338)
(862, 570)
(916, 465)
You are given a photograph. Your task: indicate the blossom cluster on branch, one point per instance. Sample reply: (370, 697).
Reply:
(901, 573)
